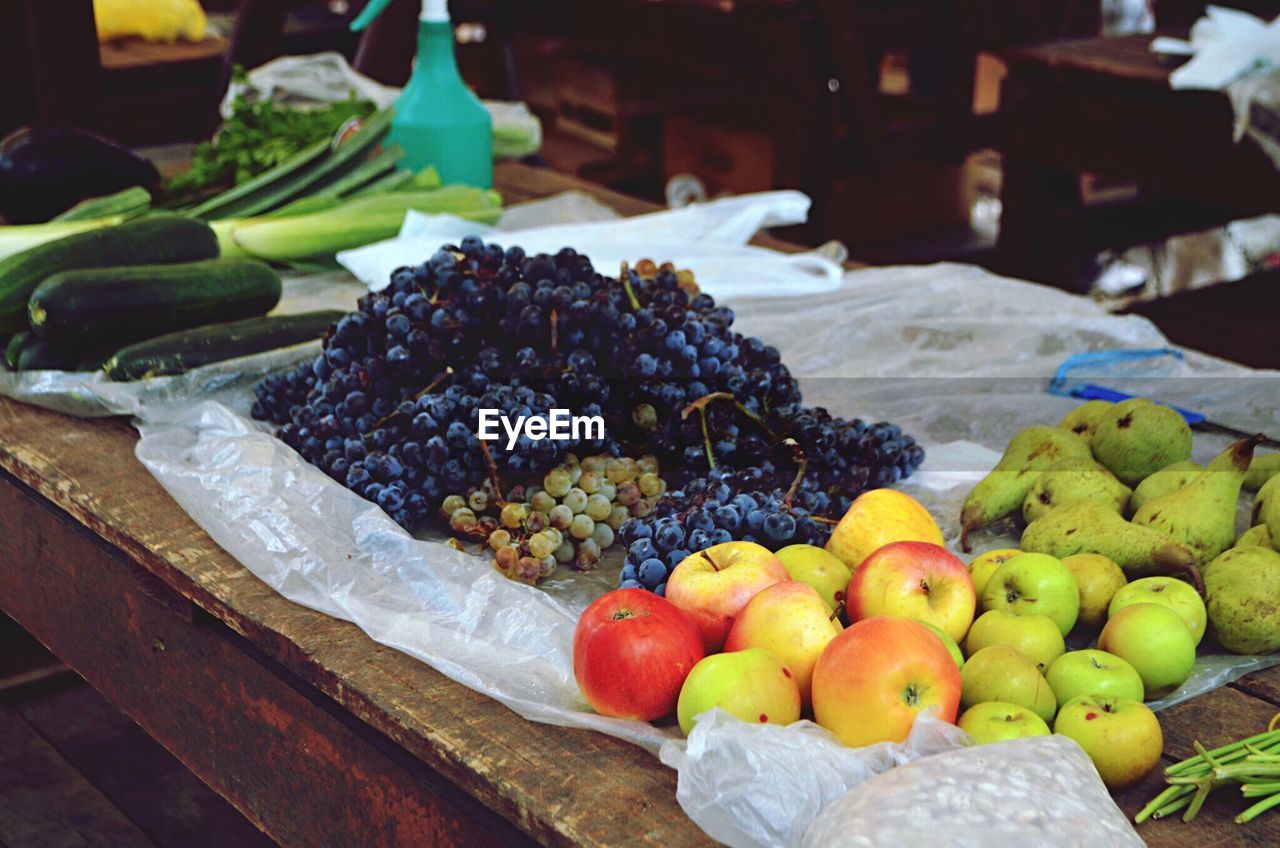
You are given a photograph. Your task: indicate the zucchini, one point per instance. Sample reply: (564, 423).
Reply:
(102, 306)
(43, 355)
(149, 240)
(178, 352)
(14, 349)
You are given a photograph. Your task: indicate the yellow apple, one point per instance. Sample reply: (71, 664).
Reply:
(984, 565)
(1099, 579)
(813, 565)
(999, 673)
(1036, 637)
(1169, 592)
(996, 721)
(712, 586)
(791, 621)
(752, 685)
(1121, 736)
(877, 518)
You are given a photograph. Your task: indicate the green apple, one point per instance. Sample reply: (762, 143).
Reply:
(1178, 596)
(753, 685)
(984, 565)
(946, 640)
(1121, 736)
(820, 569)
(1036, 637)
(1099, 578)
(1035, 584)
(996, 721)
(1156, 642)
(1000, 673)
(1096, 673)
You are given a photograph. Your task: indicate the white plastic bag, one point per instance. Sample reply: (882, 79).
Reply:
(1024, 793)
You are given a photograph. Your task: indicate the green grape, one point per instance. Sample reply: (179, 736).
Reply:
(548, 567)
(499, 539)
(581, 527)
(608, 489)
(650, 484)
(557, 481)
(575, 473)
(505, 559)
(513, 514)
(528, 570)
(589, 482)
(540, 545)
(616, 470)
(645, 416)
(478, 500)
(598, 507)
(462, 520)
(560, 516)
(588, 554)
(542, 501)
(603, 535)
(536, 522)
(576, 500)
(646, 465)
(452, 504)
(571, 461)
(554, 535)
(564, 553)
(617, 515)
(593, 463)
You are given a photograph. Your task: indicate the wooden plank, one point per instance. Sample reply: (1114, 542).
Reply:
(244, 726)
(45, 802)
(135, 773)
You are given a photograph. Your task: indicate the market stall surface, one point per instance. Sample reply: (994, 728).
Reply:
(318, 734)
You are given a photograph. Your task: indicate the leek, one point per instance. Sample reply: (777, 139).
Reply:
(353, 223)
(129, 203)
(18, 237)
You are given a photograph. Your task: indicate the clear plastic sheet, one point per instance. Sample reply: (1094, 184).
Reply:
(1025, 793)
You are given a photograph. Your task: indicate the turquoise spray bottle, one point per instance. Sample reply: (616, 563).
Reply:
(438, 120)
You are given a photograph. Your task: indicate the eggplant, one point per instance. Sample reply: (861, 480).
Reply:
(46, 171)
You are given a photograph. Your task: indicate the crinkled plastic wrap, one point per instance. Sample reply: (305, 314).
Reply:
(1024, 793)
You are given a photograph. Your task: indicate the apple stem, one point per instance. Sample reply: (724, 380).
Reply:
(838, 611)
(708, 558)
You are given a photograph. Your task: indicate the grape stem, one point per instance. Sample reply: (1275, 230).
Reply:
(493, 473)
(555, 321)
(702, 402)
(626, 286)
(802, 463)
(706, 438)
(440, 378)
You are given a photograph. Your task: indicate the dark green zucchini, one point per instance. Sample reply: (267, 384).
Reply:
(43, 355)
(123, 305)
(14, 349)
(178, 352)
(151, 240)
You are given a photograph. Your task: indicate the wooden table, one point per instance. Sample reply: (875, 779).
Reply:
(1103, 105)
(316, 733)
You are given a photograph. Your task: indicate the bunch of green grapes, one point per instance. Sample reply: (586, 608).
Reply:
(571, 519)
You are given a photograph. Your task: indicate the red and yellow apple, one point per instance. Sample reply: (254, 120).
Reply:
(791, 621)
(752, 685)
(631, 653)
(914, 580)
(996, 721)
(875, 519)
(876, 676)
(1122, 737)
(712, 586)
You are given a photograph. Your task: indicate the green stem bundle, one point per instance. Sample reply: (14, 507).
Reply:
(1253, 764)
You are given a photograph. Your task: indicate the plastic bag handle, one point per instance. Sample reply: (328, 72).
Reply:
(1059, 385)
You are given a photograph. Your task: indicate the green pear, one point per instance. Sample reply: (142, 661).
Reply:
(1255, 537)
(1262, 469)
(1266, 507)
(1243, 598)
(1084, 419)
(1002, 491)
(1088, 527)
(1074, 480)
(1202, 514)
(1163, 482)
(1136, 438)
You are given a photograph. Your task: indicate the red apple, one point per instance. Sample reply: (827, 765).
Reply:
(874, 678)
(713, 586)
(631, 653)
(914, 580)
